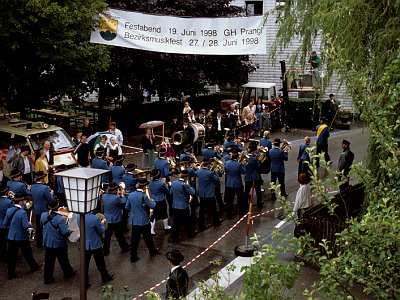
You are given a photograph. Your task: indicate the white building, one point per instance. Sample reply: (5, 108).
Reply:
(269, 72)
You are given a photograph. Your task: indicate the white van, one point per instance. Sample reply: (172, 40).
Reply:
(35, 134)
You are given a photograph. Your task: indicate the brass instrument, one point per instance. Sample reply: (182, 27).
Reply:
(262, 153)
(177, 138)
(147, 192)
(226, 132)
(218, 149)
(171, 162)
(183, 165)
(285, 146)
(140, 174)
(102, 217)
(121, 188)
(194, 157)
(217, 165)
(188, 183)
(11, 194)
(244, 158)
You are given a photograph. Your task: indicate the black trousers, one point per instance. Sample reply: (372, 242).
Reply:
(208, 205)
(220, 137)
(303, 168)
(50, 256)
(229, 198)
(3, 244)
(257, 187)
(181, 218)
(322, 148)
(118, 230)
(26, 250)
(198, 147)
(144, 231)
(98, 256)
(278, 176)
(218, 196)
(38, 231)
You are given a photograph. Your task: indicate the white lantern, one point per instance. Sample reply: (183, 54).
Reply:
(81, 187)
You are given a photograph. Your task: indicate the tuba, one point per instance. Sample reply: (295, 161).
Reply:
(217, 165)
(177, 138)
(285, 146)
(262, 153)
(244, 158)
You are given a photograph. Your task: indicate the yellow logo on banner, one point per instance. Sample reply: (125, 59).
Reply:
(108, 28)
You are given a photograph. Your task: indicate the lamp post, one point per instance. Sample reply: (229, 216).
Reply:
(81, 187)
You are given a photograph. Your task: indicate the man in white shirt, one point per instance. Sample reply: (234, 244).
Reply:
(118, 134)
(13, 153)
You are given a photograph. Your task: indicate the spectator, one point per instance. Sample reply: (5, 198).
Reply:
(148, 146)
(265, 121)
(24, 165)
(41, 164)
(345, 161)
(314, 60)
(118, 134)
(86, 128)
(304, 157)
(178, 279)
(303, 195)
(83, 152)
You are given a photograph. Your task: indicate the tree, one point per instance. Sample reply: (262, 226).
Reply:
(360, 42)
(45, 49)
(174, 74)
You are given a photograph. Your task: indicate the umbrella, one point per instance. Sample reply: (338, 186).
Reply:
(95, 139)
(152, 124)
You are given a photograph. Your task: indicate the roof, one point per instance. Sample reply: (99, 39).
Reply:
(259, 85)
(19, 127)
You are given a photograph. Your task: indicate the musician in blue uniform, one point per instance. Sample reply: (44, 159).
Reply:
(252, 175)
(16, 185)
(162, 164)
(180, 192)
(278, 158)
(187, 152)
(234, 185)
(194, 204)
(99, 163)
(18, 237)
(94, 229)
(55, 234)
(129, 179)
(117, 170)
(138, 203)
(207, 182)
(210, 151)
(113, 204)
(5, 203)
(41, 195)
(158, 191)
(230, 142)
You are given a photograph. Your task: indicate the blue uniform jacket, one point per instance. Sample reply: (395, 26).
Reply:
(138, 213)
(130, 182)
(323, 137)
(19, 224)
(303, 154)
(266, 143)
(117, 173)
(158, 190)
(180, 192)
(209, 152)
(113, 206)
(192, 177)
(227, 144)
(252, 169)
(5, 203)
(94, 229)
(207, 182)
(18, 187)
(277, 159)
(98, 163)
(55, 231)
(41, 196)
(162, 165)
(234, 171)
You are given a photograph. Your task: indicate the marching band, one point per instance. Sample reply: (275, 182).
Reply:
(182, 186)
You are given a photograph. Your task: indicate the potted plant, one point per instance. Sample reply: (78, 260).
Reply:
(344, 115)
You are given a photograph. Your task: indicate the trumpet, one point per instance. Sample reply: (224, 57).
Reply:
(286, 146)
(149, 211)
(171, 162)
(188, 183)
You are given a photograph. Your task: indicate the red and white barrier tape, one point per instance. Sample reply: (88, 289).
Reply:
(196, 257)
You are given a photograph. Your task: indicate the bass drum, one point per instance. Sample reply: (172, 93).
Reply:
(199, 131)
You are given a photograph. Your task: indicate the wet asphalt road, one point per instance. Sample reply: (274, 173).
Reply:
(148, 271)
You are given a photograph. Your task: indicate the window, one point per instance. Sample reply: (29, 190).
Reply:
(59, 139)
(254, 8)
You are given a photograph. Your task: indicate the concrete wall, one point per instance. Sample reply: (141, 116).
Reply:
(270, 72)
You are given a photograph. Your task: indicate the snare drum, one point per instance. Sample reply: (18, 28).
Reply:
(199, 131)
(73, 226)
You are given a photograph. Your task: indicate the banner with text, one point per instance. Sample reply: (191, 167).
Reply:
(216, 36)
